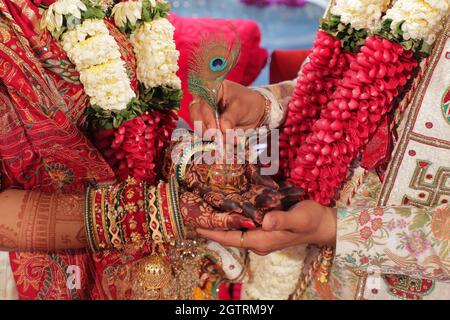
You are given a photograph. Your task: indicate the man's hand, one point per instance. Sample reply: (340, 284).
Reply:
(307, 222)
(239, 107)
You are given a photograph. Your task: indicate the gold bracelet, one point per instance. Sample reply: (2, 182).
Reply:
(153, 212)
(176, 217)
(114, 229)
(171, 214)
(94, 224)
(88, 227)
(325, 264)
(104, 220)
(267, 106)
(162, 209)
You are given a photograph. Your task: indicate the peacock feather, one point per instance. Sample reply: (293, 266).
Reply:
(210, 63)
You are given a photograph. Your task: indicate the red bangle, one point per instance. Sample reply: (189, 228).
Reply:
(135, 217)
(101, 236)
(129, 214)
(168, 232)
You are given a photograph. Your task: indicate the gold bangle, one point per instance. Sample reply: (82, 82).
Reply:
(160, 213)
(153, 212)
(105, 208)
(265, 116)
(87, 219)
(325, 264)
(177, 217)
(114, 229)
(171, 209)
(93, 222)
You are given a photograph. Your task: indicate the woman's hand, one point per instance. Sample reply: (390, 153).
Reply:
(259, 194)
(197, 213)
(239, 107)
(307, 222)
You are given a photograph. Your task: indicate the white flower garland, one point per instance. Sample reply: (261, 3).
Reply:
(156, 54)
(360, 14)
(52, 19)
(96, 56)
(422, 19)
(129, 10)
(275, 276)
(90, 44)
(153, 45)
(107, 85)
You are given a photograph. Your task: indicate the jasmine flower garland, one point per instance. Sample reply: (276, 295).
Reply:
(65, 15)
(156, 54)
(151, 35)
(415, 23)
(360, 14)
(96, 55)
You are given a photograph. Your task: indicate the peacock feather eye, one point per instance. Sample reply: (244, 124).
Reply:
(210, 63)
(218, 64)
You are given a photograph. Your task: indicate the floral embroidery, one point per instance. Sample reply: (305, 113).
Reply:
(391, 225)
(416, 243)
(364, 260)
(401, 223)
(396, 224)
(364, 217)
(377, 224)
(365, 233)
(60, 174)
(350, 259)
(419, 247)
(378, 211)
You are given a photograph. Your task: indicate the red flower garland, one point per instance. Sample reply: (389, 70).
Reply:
(135, 148)
(363, 96)
(317, 81)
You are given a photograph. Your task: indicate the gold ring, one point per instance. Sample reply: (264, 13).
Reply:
(242, 239)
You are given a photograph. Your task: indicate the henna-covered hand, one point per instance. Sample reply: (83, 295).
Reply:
(258, 194)
(197, 213)
(251, 194)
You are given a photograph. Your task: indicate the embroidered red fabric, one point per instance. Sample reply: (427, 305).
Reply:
(43, 148)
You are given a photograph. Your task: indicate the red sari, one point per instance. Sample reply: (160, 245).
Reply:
(42, 146)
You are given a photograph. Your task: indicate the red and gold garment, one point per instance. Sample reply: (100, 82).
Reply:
(42, 146)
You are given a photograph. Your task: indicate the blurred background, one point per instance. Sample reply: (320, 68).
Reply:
(284, 24)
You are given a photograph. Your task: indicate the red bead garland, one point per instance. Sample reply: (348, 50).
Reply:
(362, 97)
(136, 148)
(317, 81)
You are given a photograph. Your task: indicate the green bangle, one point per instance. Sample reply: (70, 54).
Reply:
(87, 220)
(183, 161)
(174, 199)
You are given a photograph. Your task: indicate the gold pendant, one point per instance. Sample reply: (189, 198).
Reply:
(153, 273)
